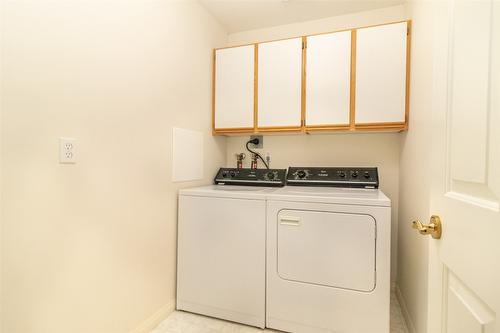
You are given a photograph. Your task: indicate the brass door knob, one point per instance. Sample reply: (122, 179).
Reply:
(434, 228)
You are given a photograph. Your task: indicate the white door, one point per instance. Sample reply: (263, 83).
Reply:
(234, 87)
(280, 83)
(464, 280)
(328, 79)
(381, 74)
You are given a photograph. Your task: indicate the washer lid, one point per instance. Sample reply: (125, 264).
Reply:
(348, 196)
(229, 191)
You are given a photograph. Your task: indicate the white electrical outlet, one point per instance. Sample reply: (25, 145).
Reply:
(67, 151)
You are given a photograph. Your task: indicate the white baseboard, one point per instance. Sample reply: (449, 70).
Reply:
(404, 311)
(149, 324)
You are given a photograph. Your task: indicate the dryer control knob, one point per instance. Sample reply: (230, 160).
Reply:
(301, 174)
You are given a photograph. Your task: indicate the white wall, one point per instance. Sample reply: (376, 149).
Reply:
(414, 186)
(355, 149)
(91, 247)
(377, 16)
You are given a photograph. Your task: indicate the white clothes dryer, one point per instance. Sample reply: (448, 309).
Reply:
(328, 260)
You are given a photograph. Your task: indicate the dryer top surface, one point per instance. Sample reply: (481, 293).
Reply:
(336, 195)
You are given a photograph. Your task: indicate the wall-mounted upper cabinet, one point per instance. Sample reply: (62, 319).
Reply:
(350, 80)
(328, 80)
(381, 73)
(234, 89)
(279, 91)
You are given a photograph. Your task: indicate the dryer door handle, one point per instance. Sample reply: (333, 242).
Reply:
(290, 220)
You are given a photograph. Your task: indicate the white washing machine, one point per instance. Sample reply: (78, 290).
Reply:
(222, 246)
(328, 254)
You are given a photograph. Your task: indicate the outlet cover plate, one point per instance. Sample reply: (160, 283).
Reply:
(261, 141)
(67, 151)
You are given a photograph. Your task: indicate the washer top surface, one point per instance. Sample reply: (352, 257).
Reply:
(349, 196)
(229, 191)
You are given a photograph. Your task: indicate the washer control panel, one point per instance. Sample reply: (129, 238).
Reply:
(337, 177)
(251, 177)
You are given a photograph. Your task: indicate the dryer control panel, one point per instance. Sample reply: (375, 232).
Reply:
(251, 177)
(337, 177)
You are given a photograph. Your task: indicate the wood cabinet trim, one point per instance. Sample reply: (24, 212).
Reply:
(303, 83)
(328, 127)
(352, 96)
(380, 125)
(279, 129)
(213, 88)
(256, 87)
(386, 127)
(240, 130)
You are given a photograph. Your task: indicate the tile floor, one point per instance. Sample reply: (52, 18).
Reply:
(184, 322)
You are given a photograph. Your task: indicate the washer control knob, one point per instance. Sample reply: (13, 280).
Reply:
(232, 173)
(224, 174)
(367, 174)
(342, 174)
(301, 174)
(354, 174)
(270, 175)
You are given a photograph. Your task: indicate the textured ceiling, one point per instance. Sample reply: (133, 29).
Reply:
(241, 15)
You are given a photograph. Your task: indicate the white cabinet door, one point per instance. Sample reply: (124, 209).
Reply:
(328, 79)
(381, 74)
(234, 87)
(280, 83)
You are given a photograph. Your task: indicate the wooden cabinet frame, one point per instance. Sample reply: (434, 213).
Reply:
(304, 128)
